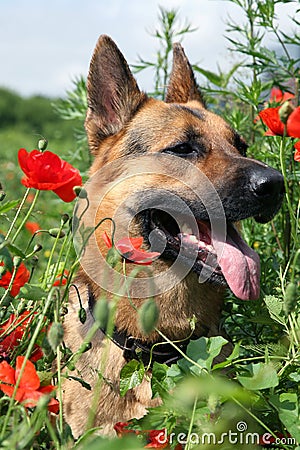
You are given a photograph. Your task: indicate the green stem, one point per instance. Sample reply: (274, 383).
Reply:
(65, 241)
(286, 185)
(188, 439)
(31, 240)
(202, 369)
(7, 290)
(58, 365)
(17, 213)
(46, 276)
(36, 332)
(101, 368)
(21, 226)
(257, 420)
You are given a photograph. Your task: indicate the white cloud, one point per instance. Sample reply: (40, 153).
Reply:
(47, 43)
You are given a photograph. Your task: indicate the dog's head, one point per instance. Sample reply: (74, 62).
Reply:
(179, 170)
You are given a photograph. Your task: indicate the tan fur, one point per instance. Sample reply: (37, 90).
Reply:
(123, 122)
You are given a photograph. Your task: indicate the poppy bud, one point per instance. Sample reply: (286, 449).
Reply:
(290, 298)
(55, 335)
(82, 315)
(2, 195)
(37, 248)
(65, 218)
(46, 347)
(101, 312)
(56, 232)
(285, 111)
(148, 316)
(2, 270)
(63, 311)
(42, 144)
(86, 347)
(80, 192)
(17, 260)
(34, 260)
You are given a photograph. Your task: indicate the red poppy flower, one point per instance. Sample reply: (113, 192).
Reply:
(48, 172)
(32, 227)
(158, 439)
(29, 390)
(9, 340)
(293, 123)
(270, 117)
(61, 279)
(155, 438)
(297, 152)
(130, 249)
(22, 276)
(278, 96)
(121, 428)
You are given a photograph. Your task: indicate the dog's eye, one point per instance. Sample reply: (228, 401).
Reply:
(182, 150)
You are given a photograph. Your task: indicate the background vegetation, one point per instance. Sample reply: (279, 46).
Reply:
(263, 388)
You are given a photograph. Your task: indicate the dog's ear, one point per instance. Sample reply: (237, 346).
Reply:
(112, 92)
(182, 86)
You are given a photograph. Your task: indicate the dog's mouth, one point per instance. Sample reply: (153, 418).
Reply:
(221, 258)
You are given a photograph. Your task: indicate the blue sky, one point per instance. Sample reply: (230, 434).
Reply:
(46, 43)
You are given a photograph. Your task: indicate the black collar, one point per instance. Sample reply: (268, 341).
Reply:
(134, 348)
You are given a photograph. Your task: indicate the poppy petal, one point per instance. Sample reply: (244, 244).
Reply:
(29, 379)
(293, 123)
(297, 151)
(47, 171)
(107, 240)
(126, 244)
(7, 373)
(270, 117)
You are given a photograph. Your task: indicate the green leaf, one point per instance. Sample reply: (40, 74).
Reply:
(295, 376)
(222, 79)
(101, 443)
(131, 376)
(161, 383)
(233, 355)
(211, 76)
(45, 377)
(261, 376)
(275, 308)
(16, 250)
(288, 410)
(7, 206)
(32, 292)
(81, 381)
(5, 256)
(53, 271)
(203, 351)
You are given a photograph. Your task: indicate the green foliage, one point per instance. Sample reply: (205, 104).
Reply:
(170, 31)
(131, 376)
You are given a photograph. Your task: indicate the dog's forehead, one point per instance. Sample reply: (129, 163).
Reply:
(159, 124)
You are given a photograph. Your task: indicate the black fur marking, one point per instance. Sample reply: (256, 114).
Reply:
(195, 112)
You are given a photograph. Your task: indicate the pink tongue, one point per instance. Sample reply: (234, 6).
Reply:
(240, 265)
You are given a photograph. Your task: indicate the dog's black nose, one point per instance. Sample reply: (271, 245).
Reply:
(267, 187)
(267, 184)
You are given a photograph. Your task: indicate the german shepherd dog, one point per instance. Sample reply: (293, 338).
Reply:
(156, 164)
